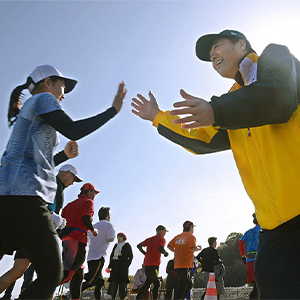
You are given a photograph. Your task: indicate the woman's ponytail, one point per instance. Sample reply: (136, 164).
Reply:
(15, 102)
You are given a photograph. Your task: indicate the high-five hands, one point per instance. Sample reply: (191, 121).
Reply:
(199, 111)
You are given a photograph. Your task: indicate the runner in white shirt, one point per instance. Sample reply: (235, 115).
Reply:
(97, 251)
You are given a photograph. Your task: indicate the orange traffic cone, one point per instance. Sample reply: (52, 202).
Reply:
(211, 291)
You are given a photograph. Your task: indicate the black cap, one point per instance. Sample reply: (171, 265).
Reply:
(188, 224)
(160, 227)
(205, 42)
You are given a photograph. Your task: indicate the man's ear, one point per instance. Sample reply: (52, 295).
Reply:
(242, 44)
(67, 173)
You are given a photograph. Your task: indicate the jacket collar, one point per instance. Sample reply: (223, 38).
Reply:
(247, 72)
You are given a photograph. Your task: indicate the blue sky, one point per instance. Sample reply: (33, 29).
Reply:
(145, 179)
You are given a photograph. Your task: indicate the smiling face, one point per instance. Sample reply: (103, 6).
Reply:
(55, 86)
(226, 56)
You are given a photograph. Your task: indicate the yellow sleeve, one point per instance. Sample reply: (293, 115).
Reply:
(199, 141)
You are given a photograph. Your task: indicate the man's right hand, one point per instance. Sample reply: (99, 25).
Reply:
(95, 232)
(144, 108)
(243, 259)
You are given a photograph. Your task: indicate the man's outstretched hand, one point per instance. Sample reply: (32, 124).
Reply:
(199, 111)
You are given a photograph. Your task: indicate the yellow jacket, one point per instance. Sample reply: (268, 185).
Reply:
(259, 120)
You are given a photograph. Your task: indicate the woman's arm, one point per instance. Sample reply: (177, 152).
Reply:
(75, 130)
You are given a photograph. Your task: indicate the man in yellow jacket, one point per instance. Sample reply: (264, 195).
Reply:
(259, 120)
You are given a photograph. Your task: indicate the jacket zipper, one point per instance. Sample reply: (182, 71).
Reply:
(265, 179)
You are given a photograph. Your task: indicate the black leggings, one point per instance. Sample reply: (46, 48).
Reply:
(75, 286)
(152, 277)
(74, 253)
(184, 283)
(122, 289)
(26, 224)
(94, 276)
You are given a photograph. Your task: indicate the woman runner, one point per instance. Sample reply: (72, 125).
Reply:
(27, 180)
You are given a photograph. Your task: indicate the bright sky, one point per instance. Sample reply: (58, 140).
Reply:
(145, 179)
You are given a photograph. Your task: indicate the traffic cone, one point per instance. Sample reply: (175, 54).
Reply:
(211, 291)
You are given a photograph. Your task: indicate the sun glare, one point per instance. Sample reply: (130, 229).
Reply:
(279, 28)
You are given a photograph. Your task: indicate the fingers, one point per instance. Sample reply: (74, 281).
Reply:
(119, 97)
(72, 143)
(151, 96)
(136, 109)
(74, 149)
(187, 96)
(71, 149)
(192, 125)
(189, 103)
(121, 87)
(142, 98)
(136, 106)
(183, 111)
(135, 112)
(144, 108)
(121, 90)
(138, 103)
(187, 119)
(124, 93)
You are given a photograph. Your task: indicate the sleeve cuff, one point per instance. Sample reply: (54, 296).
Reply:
(217, 112)
(157, 119)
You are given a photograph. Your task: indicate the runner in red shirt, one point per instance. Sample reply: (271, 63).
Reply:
(79, 216)
(155, 247)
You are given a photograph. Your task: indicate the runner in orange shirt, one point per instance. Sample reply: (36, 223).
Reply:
(184, 246)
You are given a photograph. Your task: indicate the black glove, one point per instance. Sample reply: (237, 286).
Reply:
(243, 259)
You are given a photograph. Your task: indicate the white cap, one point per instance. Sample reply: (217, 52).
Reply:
(73, 170)
(41, 72)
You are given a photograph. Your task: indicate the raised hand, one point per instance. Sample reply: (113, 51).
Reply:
(144, 108)
(121, 93)
(199, 111)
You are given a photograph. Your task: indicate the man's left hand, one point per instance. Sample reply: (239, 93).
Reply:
(199, 110)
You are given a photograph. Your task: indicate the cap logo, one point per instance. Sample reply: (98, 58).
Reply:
(233, 33)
